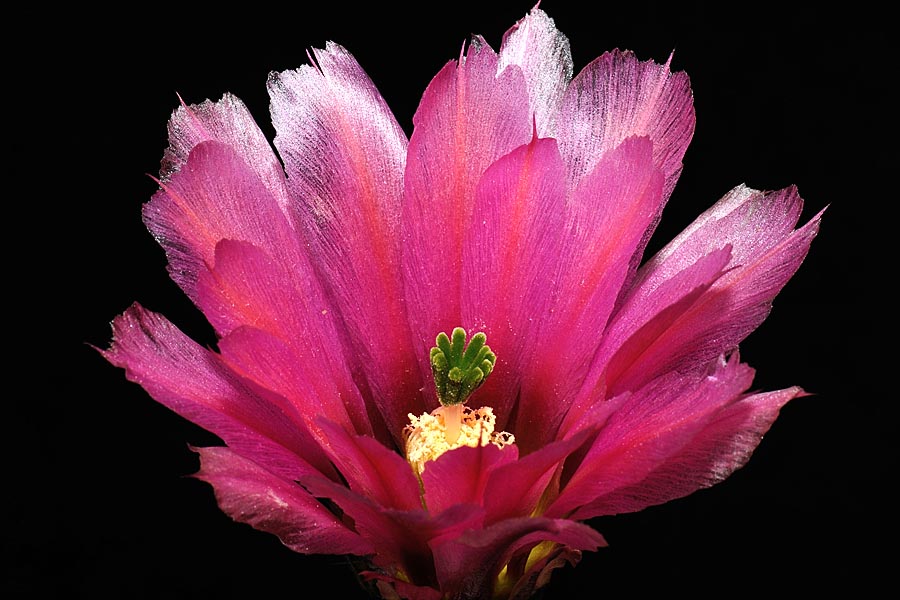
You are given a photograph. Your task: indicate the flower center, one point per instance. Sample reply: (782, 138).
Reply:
(459, 369)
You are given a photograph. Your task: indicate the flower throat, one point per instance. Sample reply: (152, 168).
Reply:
(459, 369)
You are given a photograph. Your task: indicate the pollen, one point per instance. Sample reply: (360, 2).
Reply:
(427, 436)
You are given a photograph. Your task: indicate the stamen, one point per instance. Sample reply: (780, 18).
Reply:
(427, 439)
(459, 370)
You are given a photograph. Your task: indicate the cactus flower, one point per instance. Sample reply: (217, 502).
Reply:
(443, 353)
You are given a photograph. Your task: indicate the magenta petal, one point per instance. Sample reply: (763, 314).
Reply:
(607, 219)
(269, 362)
(765, 253)
(194, 383)
(723, 446)
(515, 489)
(246, 286)
(402, 538)
(542, 53)
(511, 257)
(373, 470)
(227, 121)
(536, 574)
(344, 154)
(753, 222)
(460, 476)
(616, 97)
(469, 117)
(262, 278)
(251, 494)
(216, 196)
(642, 322)
(676, 420)
(468, 565)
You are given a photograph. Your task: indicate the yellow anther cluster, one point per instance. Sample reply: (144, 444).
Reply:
(426, 436)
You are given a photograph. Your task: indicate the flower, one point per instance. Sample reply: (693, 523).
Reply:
(443, 354)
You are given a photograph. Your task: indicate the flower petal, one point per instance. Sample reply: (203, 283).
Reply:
(468, 565)
(227, 121)
(251, 494)
(723, 447)
(247, 291)
(676, 421)
(536, 574)
(468, 118)
(515, 489)
(344, 154)
(372, 470)
(393, 588)
(511, 258)
(765, 252)
(267, 282)
(643, 319)
(542, 52)
(191, 381)
(616, 97)
(266, 360)
(460, 476)
(607, 219)
(402, 538)
(216, 196)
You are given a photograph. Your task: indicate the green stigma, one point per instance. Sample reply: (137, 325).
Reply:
(460, 369)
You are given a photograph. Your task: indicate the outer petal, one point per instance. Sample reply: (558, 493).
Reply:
(542, 52)
(517, 488)
(616, 97)
(468, 118)
(676, 421)
(461, 475)
(279, 346)
(536, 574)
(216, 196)
(227, 121)
(267, 282)
(269, 362)
(511, 259)
(191, 381)
(344, 155)
(766, 252)
(641, 322)
(401, 538)
(606, 221)
(468, 565)
(372, 470)
(724, 446)
(251, 494)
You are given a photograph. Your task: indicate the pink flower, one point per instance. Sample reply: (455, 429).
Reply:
(521, 208)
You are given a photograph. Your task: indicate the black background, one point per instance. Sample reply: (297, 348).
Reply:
(99, 499)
